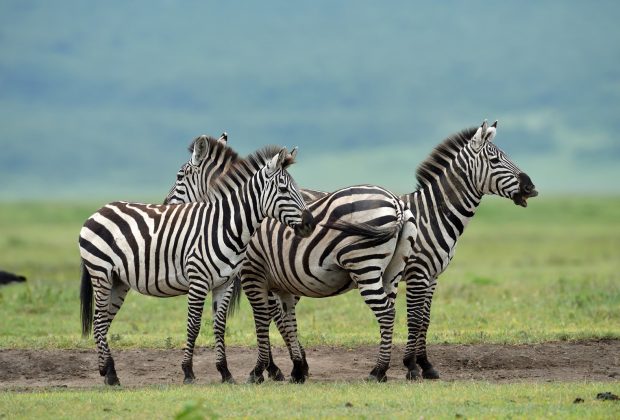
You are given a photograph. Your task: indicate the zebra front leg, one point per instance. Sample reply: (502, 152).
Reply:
(221, 302)
(257, 297)
(195, 302)
(277, 312)
(273, 371)
(299, 372)
(375, 297)
(416, 285)
(428, 371)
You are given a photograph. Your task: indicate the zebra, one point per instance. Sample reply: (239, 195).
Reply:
(451, 183)
(369, 253)
(363, 238)
(176, 249)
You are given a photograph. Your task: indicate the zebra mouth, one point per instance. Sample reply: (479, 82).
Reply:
(520, 198)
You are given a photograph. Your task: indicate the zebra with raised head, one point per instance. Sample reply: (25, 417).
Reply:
(451, 183)
(194, 248)
(363, 238)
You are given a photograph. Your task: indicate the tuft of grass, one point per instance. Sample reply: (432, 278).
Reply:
(548, 272)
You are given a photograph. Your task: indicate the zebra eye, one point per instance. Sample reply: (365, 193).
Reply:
(282, 189)
(494, 159)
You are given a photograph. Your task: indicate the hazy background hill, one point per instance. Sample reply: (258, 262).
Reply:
(100, 99)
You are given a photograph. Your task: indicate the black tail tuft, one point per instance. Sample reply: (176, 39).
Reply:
(86, 302)
(235, 298)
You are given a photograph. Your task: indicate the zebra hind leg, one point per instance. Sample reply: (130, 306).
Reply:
(374, 295)
(107, 304)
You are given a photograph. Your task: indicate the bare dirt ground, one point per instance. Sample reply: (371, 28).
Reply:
(562, 361)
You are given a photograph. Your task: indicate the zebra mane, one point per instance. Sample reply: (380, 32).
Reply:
(241, 170)
(442, 155)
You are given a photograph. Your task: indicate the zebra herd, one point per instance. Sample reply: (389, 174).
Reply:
(230, 224)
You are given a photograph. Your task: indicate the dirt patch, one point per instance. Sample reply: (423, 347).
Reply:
(563, 361)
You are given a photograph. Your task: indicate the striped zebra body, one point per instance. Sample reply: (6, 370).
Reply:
(194, 248)
(279, 268)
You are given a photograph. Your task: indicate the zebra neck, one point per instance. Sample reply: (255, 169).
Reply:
(250, 213)
(444, 206)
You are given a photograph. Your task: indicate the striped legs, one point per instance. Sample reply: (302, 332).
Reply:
(289, 333)
(372, 291)
(108, 301)
(419, 296)
(258, 298)
(195, 301)
(277, 314)
(428, 371)
(221, 301)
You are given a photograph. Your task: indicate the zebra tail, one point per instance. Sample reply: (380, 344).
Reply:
(86, 302)
(365, 230)
(235, 298)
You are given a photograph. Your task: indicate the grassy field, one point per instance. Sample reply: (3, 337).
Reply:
(358, 400)
(548, 272)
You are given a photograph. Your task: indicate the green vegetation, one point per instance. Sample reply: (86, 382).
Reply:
(548, 272)
(360, 400)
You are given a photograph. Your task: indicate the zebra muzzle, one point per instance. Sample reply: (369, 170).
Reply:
(307, 225)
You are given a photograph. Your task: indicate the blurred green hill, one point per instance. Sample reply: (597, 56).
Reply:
(100, 99)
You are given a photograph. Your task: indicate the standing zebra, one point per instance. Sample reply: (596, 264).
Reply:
(363, 239)
(171, 250)
(451, 183)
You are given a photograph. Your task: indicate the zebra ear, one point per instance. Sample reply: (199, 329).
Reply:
(201, 147)
(277, 161)
(491, 131)
(480, 137)
(223, 138)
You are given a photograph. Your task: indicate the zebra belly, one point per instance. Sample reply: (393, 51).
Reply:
(322, 282)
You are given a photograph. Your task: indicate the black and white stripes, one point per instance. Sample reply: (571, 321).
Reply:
(169, 250)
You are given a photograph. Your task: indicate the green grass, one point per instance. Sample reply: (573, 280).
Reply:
(548, 272)
(359, 400)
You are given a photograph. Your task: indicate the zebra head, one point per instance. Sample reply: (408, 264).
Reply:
(495, 173)
(208, 161)
(281, 198)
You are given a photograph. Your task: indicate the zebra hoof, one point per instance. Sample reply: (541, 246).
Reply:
(377, 377)
(430, 373)
(277, 376)
(188, 380)
(297, 380)
(112, 380)
(228, 380)
(256, 379)
(413, 375)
